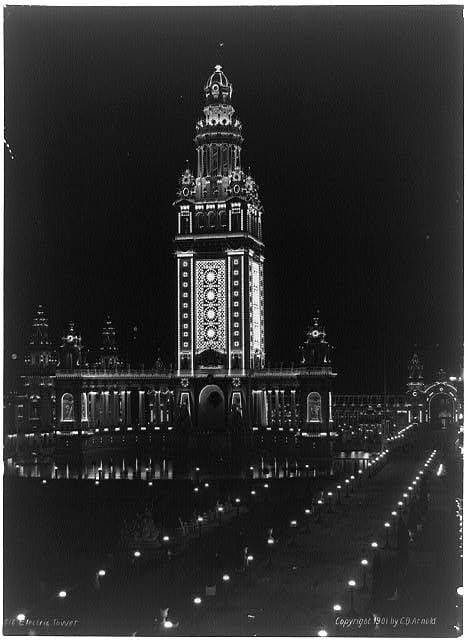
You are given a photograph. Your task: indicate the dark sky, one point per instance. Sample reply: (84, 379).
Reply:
(353, 126)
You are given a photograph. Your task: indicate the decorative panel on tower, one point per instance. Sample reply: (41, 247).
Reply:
(211, 305)
(185, 312)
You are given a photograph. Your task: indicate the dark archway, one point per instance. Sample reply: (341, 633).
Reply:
(211, 408)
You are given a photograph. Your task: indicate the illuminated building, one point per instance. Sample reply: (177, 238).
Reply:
(219, 389)
(220, 383)
(438, 402)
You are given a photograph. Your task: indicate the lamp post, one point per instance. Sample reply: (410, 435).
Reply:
(319, 510)
(329, 496)
(394, 518)
(347, 488)
(352, 483)
(226, 580)
(237, 501)
(200, 523)
(338, 488)
(351, 585)
(308, 513)
(293, 526)
(220, 514)
(387, 531)
(359, 477)
(166, 540)
(97, 578)
(364, 563)
(400, 507)
(271, 544)
(405, 497)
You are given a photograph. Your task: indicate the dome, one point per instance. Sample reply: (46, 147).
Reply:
(218, 77)
(218, 88)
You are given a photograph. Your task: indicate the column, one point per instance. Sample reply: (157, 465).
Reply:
(92, 408)
(293, 407)
(123, 412)
(76, 409)
(141, 407)
(105, 416)
(128, 407)
(115, 408)
(269, 407)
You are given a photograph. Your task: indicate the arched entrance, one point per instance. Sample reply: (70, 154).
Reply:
(442, 409)
(211, 408)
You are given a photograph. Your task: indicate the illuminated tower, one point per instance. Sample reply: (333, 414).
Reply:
(219, 248)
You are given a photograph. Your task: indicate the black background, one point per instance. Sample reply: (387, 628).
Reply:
(353, 126)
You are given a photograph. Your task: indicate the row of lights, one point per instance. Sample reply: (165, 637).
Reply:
(376, 461)
(374, 545)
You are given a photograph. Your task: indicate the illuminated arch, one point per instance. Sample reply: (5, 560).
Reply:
(449, 388)
(67, 407)
(314, 407)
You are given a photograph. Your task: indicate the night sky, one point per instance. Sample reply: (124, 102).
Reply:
(353, 123)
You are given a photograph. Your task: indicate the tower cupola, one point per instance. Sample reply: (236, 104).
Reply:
(218, 89)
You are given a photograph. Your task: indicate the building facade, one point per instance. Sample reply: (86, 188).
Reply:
(220, 383)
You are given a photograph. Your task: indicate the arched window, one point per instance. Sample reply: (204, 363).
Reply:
(314, 407)
(67, 408)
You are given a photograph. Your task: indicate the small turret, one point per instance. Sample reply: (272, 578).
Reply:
(71, 350)
(415, 368)
(315, 349)
(39, 353)
(109, 350)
